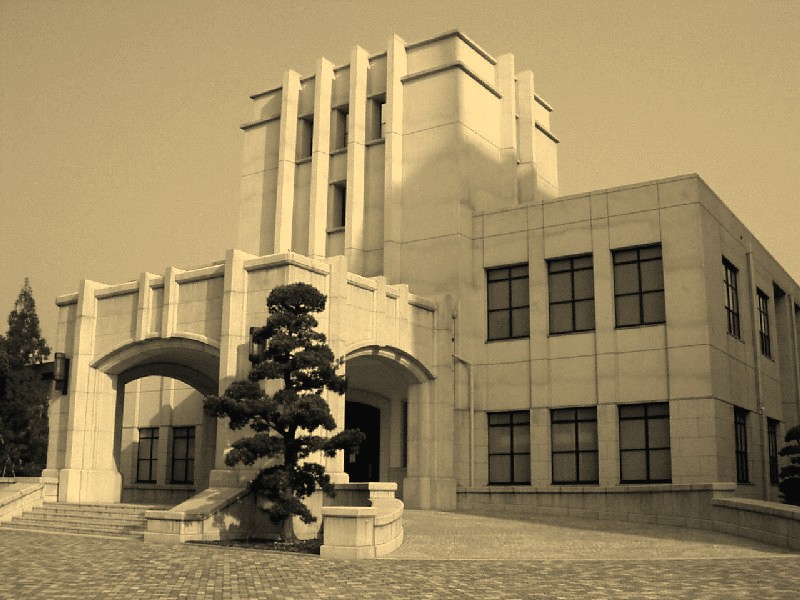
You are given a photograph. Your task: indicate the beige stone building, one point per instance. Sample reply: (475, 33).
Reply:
(503, 344)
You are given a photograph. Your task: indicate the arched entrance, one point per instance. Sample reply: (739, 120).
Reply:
(382, 384)
(102, 431)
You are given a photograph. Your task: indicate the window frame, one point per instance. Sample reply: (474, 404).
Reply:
(647, 448)
(572, 301)
(559, 416)
(740, 443)
(525, 416)
(188, 458)
(732, 307)
(772, 446)
(337, 206)
(616, 263)
(151, 460)
(763, 323)
(511, 307)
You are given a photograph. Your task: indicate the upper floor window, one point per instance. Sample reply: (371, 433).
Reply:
(763, 323)
(571, 288)
(732, 298)
(507, 302)
(638, 286)
(305, 135)
(644, 445)
(573, 434)
(740, 435)
(509, 447)
(340, 122)
(147, 456)
(337, 206)
(376, 118)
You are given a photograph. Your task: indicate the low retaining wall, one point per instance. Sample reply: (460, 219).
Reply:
(18, 494)
(703, 506)
(363, 520)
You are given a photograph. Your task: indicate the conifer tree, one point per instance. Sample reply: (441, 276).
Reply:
(789, 475)
(284, 422)
(24, 396)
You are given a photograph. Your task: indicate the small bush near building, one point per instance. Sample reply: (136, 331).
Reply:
(789, 476)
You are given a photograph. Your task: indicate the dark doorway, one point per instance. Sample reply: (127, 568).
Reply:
(363, 465)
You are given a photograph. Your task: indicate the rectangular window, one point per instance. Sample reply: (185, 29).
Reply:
(507, 302)
(147, 459)
(763, 323)
(644, 449)
(573, 434)
(639, 286)
(571, 288)
(732, 298)
(740, 434)
(182, 455)
(305, 135)
(509, 447)
(772, 441)
(376, 119)
(337, 207)
(339, 126)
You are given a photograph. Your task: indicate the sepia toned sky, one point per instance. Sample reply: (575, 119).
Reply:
(120, 146)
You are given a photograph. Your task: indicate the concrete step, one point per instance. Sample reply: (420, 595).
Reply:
(97, 519)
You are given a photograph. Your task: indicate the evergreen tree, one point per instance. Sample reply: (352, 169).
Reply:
(789, 476)
(298, 359)
(24, 396)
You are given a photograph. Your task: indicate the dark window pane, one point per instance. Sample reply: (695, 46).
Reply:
(588, 464)
(498, 295)
(657, 409)
(626, 279)
(587, 435)
(519, 292)
(522, 416)
(519, 271)
(555, 266)
(502, 418)
(497, 274)
(522, 439)
(564, 468)
(660, 467)
(582, 262)
(584, 284)
(627, 310)
(522, 468)
(500, 469)
(499, 325)
(520, 322)
(560, 287)
(584, 315)
(585, 414)
(658, 433)
(499, 440)
(631, 435)
(633, 466)
(561, 318)
(622, 256)
(653, 305)
(652, 276)
(651, 252)
(627, 411)
(563, 437)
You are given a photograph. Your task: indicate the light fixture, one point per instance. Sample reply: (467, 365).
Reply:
(256, 349)
(61, 371)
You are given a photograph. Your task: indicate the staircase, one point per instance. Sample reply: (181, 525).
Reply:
(122, 520)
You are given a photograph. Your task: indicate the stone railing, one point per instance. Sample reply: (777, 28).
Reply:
(364, 520)
(18, 494)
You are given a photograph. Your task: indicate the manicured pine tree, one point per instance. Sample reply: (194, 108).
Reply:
(24, 396)
(284, 422)
(789, 475)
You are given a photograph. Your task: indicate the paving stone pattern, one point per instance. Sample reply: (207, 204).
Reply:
(61, 566)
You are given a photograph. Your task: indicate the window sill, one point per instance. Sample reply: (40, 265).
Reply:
(302, 161)
(640, 325)
(514, 339)
(339, 151)
(563, 333)
(335, 229)
(375, 142)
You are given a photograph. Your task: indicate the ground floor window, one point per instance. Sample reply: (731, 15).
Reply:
(183, 455)
(644, 448)
(740, 434)
(509, 447)
(573, 434)
(772, 440)
(147, 458)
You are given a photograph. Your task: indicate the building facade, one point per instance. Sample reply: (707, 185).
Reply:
(500, 339)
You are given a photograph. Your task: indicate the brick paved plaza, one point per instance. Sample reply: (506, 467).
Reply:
(446, 555)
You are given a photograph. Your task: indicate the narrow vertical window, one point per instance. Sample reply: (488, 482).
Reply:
(763, 323)
(732, 298)
(339, 128)
(772, 441)
(740, 434)
(509, 447)
(337, 207)
(571, 293)
(644, 446)
(305, 135)
(376, 119)
(507, 302)
(639, 286)
(182, 455)
(147, 459)
(573, 434)
(405, 433)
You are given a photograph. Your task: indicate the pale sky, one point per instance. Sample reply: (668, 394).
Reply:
(120, 147)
